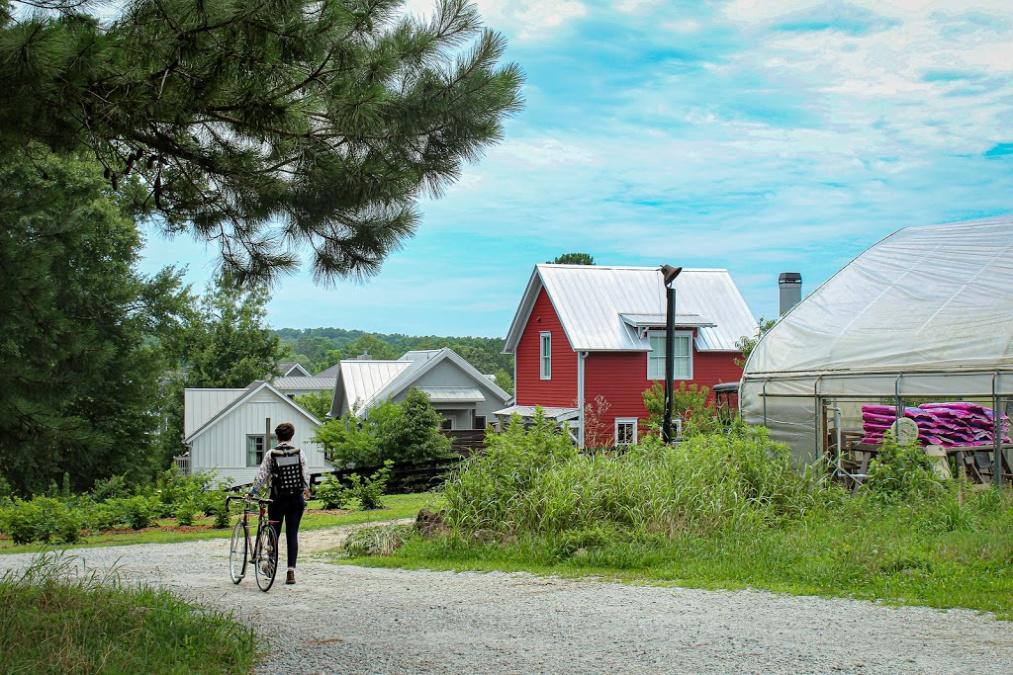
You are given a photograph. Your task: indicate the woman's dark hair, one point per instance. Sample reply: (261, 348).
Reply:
(284, 431)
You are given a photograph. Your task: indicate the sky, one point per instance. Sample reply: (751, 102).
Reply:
(760, 136)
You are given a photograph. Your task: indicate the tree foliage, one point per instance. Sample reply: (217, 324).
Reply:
(262, 126)
(318, 403)
(84, 337)
(405, 431)
(746, 345)
(573, 259)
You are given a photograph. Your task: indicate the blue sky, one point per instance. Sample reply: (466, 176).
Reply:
(758, 135)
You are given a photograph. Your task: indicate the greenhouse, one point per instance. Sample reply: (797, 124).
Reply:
(920, 326)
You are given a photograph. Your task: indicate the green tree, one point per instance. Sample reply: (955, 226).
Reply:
(84, 338)
(573, 259)
(263, 127)
(367, 344)
(318, 403)
(746, 345)
(505, 380)
(224, 341)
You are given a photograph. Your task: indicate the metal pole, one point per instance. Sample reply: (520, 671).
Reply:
(669, 361)
(267, 434)
(996, 435)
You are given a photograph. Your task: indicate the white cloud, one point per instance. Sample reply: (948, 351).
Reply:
(632, 6)
(525, 19)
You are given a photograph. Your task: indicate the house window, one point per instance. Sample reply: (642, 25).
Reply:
(626, 431)
(479, 422)
(683, 356)
(255, 449)
(447, 424)
(545, 352)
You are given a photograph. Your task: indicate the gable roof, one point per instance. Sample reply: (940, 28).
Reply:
(369, 382)
(200, 405)
(292, 369)
(603, 308)
(332, 371)
(244, 396)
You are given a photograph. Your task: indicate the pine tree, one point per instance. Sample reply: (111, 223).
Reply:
(264, 126)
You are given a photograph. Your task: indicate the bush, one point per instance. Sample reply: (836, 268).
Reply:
(185, 514)
(139, 511)
(901, 473)
(331, 493)
(690, 403)
(370, 490)
(43, 519)
(406, 431)
(110, 488)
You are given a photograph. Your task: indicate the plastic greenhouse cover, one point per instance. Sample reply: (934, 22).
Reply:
(934, 303)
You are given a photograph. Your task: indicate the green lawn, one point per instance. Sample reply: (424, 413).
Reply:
(396, 506)
(52, 624)
(884, 560)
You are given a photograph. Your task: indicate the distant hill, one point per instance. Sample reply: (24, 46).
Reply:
(319, 348)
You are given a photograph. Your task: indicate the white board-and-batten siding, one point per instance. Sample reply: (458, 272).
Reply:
(222, 446)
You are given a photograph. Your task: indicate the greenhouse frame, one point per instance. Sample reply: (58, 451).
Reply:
(926, 314)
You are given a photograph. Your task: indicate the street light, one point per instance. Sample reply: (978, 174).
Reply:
(669, 274)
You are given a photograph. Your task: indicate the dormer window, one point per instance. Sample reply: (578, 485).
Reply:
(683, 356)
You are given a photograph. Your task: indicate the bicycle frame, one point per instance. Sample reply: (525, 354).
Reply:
(253, 549)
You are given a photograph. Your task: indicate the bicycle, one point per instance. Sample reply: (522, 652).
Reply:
(262, 551)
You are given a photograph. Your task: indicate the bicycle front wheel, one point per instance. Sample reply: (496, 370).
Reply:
(237, 553)
(266, 565)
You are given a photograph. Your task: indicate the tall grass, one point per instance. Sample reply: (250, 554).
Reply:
(55, 622)
(535, 481)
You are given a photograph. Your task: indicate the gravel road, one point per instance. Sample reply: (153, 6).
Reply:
(341, 619)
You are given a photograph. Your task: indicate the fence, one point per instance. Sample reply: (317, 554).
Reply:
(182, 463)
(466, 441)
(405, 477)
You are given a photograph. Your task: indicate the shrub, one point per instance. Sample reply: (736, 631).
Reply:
(406, 431)
(139, 511)
(185, 513)
(104, 516)
(901, 473)
(690, 403)
(110, 488)
(370, 490)
(318, 403)
(43, 519)
(332, 493)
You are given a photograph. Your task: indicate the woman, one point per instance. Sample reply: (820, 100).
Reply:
(284, 469)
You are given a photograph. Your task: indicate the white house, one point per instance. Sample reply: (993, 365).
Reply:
(225, 429)
(464, 396)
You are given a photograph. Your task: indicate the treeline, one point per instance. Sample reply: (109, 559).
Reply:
(320, 348)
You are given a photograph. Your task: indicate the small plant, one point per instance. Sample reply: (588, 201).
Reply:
(185, 513)
(901, 472)
(43, 519)
(110, 488)
(140, 511)
(370, 490)
(331, 493)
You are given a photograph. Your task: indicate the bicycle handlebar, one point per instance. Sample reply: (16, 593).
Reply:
(245, 498)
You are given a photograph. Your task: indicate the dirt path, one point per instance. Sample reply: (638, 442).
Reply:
(341, 619)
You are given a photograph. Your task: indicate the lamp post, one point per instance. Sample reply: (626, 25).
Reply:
(669, 273)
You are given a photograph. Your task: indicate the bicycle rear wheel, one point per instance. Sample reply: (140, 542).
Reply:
(237, 553)
(266, 565)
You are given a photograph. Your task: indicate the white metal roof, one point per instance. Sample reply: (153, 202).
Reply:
(300, 382)
(200, 405)
(591, 299)
(244, 395)
(363, 380)
(529, 411)
(453, 394)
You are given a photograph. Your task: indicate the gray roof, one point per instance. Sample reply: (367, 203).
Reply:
(298, 382)
(285, 369)
(529, 411)
(453, 394)
(591, 302)
(331, 372)
(365, 383)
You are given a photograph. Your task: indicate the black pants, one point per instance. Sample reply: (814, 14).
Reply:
(288, 508)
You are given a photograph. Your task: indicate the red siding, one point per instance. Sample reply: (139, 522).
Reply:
(530, 389)
(621, 379)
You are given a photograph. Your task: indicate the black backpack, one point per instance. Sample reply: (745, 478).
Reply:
(286, 472)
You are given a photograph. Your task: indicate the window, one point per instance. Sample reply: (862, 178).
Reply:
(479, 422)
(447, 424)
(626, 431)
(683, 356)
(255, 449)
(545, 351)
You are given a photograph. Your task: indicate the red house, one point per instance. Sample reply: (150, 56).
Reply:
(588, 340)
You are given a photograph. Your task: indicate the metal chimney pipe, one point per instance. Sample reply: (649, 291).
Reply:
(790, 287)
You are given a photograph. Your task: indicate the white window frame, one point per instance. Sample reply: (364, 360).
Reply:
(636, 431)
(688, 334)
(545, 355)
(254, 438)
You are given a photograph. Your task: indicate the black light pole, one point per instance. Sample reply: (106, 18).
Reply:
(669, 274)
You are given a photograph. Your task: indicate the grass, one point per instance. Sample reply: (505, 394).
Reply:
(166, 531)
(52, 623)
(886, 559)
